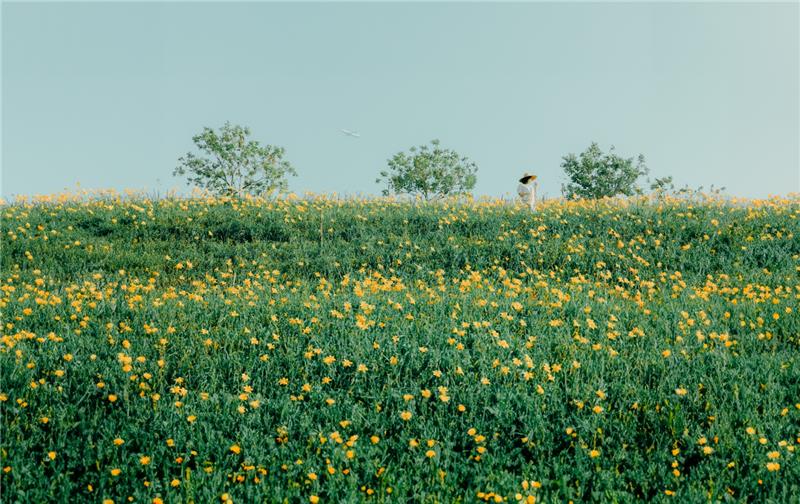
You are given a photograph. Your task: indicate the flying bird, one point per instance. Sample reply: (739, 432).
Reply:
(351, 133)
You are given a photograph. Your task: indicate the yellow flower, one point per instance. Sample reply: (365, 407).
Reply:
(405, 415)
(374, 439)
(773, 455)
(594, 453)
(51, 455)
(430, 453)
(773, 466)
(144, 460)
(115, 472)
(235, 449)
(313, 499)
(680, 391)
(119, 441)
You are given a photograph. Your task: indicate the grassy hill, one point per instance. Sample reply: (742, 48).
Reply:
(320, 350)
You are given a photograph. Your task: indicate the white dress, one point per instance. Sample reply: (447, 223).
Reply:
(527, 193)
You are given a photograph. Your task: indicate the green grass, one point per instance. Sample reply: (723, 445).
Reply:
(537, 338)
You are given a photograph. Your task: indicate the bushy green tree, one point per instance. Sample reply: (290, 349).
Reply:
(232, 165)
(430, 171)
(595, 174)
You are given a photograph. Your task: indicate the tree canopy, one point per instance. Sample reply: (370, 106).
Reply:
(232, 165)
(595, 174)
(430, 171)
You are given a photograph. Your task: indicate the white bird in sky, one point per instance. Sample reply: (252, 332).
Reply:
(351, 133)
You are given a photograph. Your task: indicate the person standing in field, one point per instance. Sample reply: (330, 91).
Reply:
(527, 190)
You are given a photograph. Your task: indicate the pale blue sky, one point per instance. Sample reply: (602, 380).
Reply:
(110, 94)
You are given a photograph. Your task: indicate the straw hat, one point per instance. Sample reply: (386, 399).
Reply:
(527, 178)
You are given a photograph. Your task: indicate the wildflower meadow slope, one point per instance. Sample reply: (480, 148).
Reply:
(318, 350)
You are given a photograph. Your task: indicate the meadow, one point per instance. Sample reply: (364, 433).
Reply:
(322, 350)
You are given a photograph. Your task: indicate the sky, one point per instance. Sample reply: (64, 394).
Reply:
(109, 95)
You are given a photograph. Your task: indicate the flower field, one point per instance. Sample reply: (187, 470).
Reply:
(318, 350)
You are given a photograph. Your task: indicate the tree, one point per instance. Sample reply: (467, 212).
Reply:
(595, 174)
(233, 165)
(432, 171)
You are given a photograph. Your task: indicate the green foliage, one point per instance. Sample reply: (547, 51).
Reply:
(595, 175)
(662, 185)
(232, 165)
(520, 318)
(433, 172)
